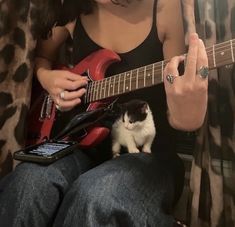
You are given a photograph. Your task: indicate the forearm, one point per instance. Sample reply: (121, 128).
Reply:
(47, 51)
(42, 65)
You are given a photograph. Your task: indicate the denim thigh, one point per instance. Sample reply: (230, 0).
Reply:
(31, 194)
(132, 190)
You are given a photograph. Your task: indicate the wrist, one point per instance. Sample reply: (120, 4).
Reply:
(42, 73)
(182, 125)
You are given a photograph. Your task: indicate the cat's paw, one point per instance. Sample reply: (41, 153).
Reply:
(116, 155)
(146, 149)
(134, 150)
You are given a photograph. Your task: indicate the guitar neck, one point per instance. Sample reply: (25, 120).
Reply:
(146, 76)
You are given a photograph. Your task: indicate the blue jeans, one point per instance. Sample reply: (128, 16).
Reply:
(136, 190)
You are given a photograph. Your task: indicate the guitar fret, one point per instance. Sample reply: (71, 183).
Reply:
(149, 73)
(145, 76)
(95, 91)
(124, 83)
(98, 89)
(130, 78)
(214, 61)
(109, 78)
(114, 84)
(104, 88)
(101, 88)
(133, 78)
(90, 92)
(127, 86)
(137, 79)
(232, 51)
(119, 78)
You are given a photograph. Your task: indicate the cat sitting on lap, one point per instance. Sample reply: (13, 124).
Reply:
(134, 128)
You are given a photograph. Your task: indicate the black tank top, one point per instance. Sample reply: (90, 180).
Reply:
(148, 52)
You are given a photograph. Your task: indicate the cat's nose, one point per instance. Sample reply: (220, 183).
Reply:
(129, 127)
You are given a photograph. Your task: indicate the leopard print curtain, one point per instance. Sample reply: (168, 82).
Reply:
(212, 177)
(16, 54)
(21, 23)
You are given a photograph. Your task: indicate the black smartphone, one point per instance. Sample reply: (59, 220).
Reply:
(46, 152)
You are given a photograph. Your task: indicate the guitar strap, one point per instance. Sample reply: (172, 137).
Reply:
(84, 120)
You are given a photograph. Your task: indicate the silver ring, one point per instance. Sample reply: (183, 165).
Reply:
(203, 72)
(62, 95)
(57, 106)
(170, 78)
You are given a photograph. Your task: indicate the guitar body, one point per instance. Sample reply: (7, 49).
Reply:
(43, 114)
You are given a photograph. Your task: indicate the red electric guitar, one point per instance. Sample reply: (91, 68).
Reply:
(102, 91)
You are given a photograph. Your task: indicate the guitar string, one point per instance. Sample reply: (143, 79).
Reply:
(141, 76)
(159, 64)
(220, 49)
(144, 69)
(224, 44)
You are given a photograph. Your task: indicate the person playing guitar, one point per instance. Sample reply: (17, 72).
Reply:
(118, 42)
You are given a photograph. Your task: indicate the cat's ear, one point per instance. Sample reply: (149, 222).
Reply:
(144, 108)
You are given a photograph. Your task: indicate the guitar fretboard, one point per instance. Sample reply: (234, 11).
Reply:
(146, 76)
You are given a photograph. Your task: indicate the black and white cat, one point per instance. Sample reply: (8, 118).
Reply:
(135, 128)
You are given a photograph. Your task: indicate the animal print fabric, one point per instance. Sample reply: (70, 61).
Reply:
(211, 175)
(21, 23)
(16, 54)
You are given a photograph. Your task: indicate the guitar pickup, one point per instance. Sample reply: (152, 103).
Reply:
(47, 107)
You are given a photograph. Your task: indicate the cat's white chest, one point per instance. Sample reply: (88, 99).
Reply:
(140, 136)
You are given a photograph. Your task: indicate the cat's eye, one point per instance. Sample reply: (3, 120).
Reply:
(131, 122)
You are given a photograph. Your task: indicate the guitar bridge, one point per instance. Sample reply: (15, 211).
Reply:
(47, 107)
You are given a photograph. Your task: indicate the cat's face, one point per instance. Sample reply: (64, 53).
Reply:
(130, 124)
(134, 114)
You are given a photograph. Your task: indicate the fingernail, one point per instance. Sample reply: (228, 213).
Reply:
(194, 36)
(200, 40)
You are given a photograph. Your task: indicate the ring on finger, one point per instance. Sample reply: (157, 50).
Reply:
(57, 104)
(62, 95)
(170, 78)
(57, 107)
(203, 72)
